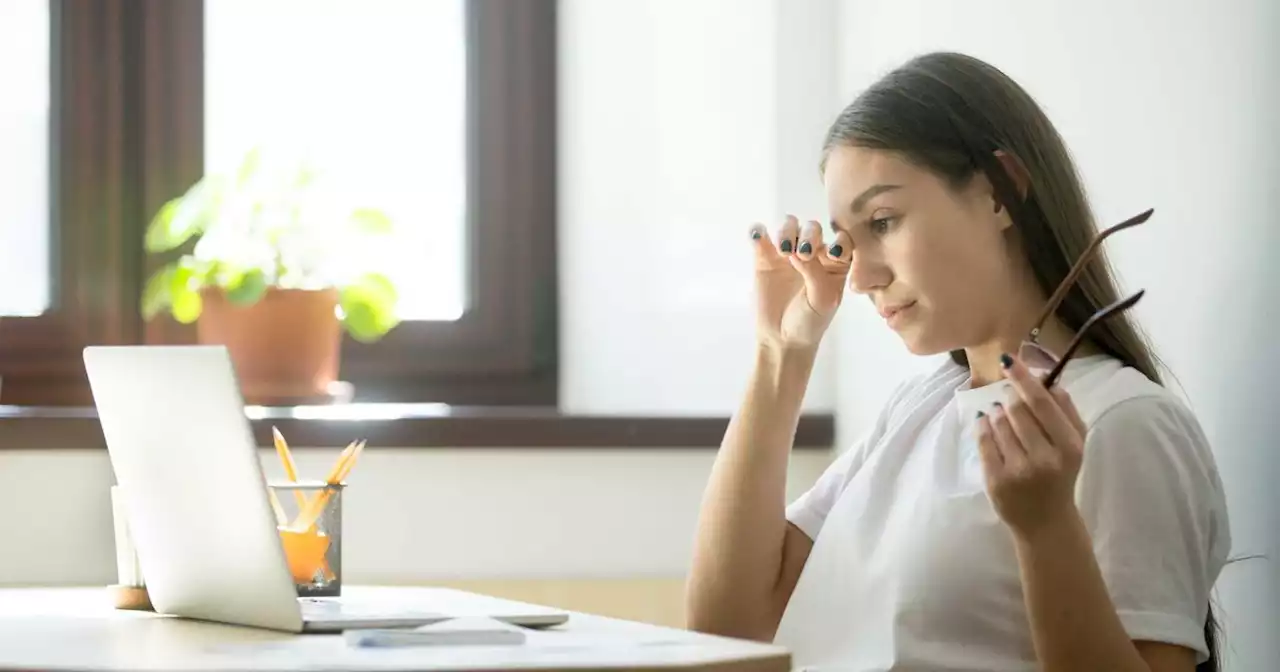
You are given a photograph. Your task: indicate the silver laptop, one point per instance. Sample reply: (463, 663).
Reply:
(196, 498)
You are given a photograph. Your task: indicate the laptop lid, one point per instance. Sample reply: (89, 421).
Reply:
(190, 477)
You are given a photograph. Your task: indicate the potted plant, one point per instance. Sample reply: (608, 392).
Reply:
(273, 264)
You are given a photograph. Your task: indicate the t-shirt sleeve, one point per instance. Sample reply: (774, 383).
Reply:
(1151, 497)
(810, 509)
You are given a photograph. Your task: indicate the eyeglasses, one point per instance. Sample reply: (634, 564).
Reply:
(1038, 357)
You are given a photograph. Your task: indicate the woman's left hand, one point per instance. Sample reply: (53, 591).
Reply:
(1032, 447)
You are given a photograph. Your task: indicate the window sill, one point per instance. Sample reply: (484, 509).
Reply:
(416, 426)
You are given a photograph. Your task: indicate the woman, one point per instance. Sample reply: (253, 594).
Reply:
(987, 521)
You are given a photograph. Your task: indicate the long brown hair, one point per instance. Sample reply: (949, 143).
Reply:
(949, 113)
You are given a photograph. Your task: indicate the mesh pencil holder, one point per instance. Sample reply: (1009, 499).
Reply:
(309, 520)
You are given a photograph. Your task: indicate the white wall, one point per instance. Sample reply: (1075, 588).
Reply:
(411, 515)
(1170, 105)
(681, 124)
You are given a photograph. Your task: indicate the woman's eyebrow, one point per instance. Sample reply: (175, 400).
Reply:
(871, 192)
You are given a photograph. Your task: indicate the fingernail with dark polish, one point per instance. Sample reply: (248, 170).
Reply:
(805, 247)
(785, 246)
(981, 415)
(755, 235)
(836, 251)
(1006, 361)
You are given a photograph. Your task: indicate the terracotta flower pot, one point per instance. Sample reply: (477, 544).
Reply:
(285, 347)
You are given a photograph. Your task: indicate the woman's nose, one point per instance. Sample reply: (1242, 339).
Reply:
(867, 273)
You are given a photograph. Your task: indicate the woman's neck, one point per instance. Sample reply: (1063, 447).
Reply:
(1023, 305)
(984, 360)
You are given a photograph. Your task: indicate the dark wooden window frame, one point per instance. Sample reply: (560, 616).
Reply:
(504, 349)
(127, 135)
(95, 207)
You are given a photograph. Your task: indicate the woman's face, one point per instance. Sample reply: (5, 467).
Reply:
(933, 259)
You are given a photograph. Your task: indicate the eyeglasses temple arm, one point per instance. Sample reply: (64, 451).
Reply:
(1113, 309)
(1074, 274)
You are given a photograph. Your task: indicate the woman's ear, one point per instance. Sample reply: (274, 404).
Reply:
(1017, 173)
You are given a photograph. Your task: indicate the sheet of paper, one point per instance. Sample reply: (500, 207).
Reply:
(541, 649)
(466, 631)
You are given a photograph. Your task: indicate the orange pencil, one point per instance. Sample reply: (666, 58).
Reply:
(349, 464)
(336, 471)
(290, 467)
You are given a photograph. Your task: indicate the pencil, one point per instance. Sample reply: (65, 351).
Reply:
(335, 473)
(308, 516)
(281, 519)
(350, 463)
(290, 467)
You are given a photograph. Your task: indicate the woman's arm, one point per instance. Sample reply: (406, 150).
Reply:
(1073, 622)
(1155, 552)
(747, 558)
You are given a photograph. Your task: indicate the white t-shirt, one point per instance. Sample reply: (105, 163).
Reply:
(911, 568)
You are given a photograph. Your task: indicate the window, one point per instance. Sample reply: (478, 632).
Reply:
(24, 174)
(443, 110)
(374, 93)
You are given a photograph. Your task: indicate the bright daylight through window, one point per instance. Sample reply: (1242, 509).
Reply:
(372, 95)
(24, 157)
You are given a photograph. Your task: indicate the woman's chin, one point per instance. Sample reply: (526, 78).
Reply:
(919, 343)
(922, 351)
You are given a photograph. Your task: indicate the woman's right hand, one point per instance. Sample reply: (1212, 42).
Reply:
(799, 283)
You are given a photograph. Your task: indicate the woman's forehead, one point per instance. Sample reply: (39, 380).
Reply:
(852, 172)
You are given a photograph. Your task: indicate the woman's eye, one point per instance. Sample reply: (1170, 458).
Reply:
(881, 225)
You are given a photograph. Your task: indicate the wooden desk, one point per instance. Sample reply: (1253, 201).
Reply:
(76, 628)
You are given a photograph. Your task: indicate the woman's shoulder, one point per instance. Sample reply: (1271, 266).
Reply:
(1110, 391)
(1134, 420)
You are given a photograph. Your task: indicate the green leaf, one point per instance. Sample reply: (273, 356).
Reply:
(370, 221)
(379, 285)
(252, 286)
(369, 307)
(171, 287)
(187, 306)
(249, 166)
(158, 293)
(183, 217)
(159, 236)
(181, 279)
(227, 276)
(361, 321)
(306, 175)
